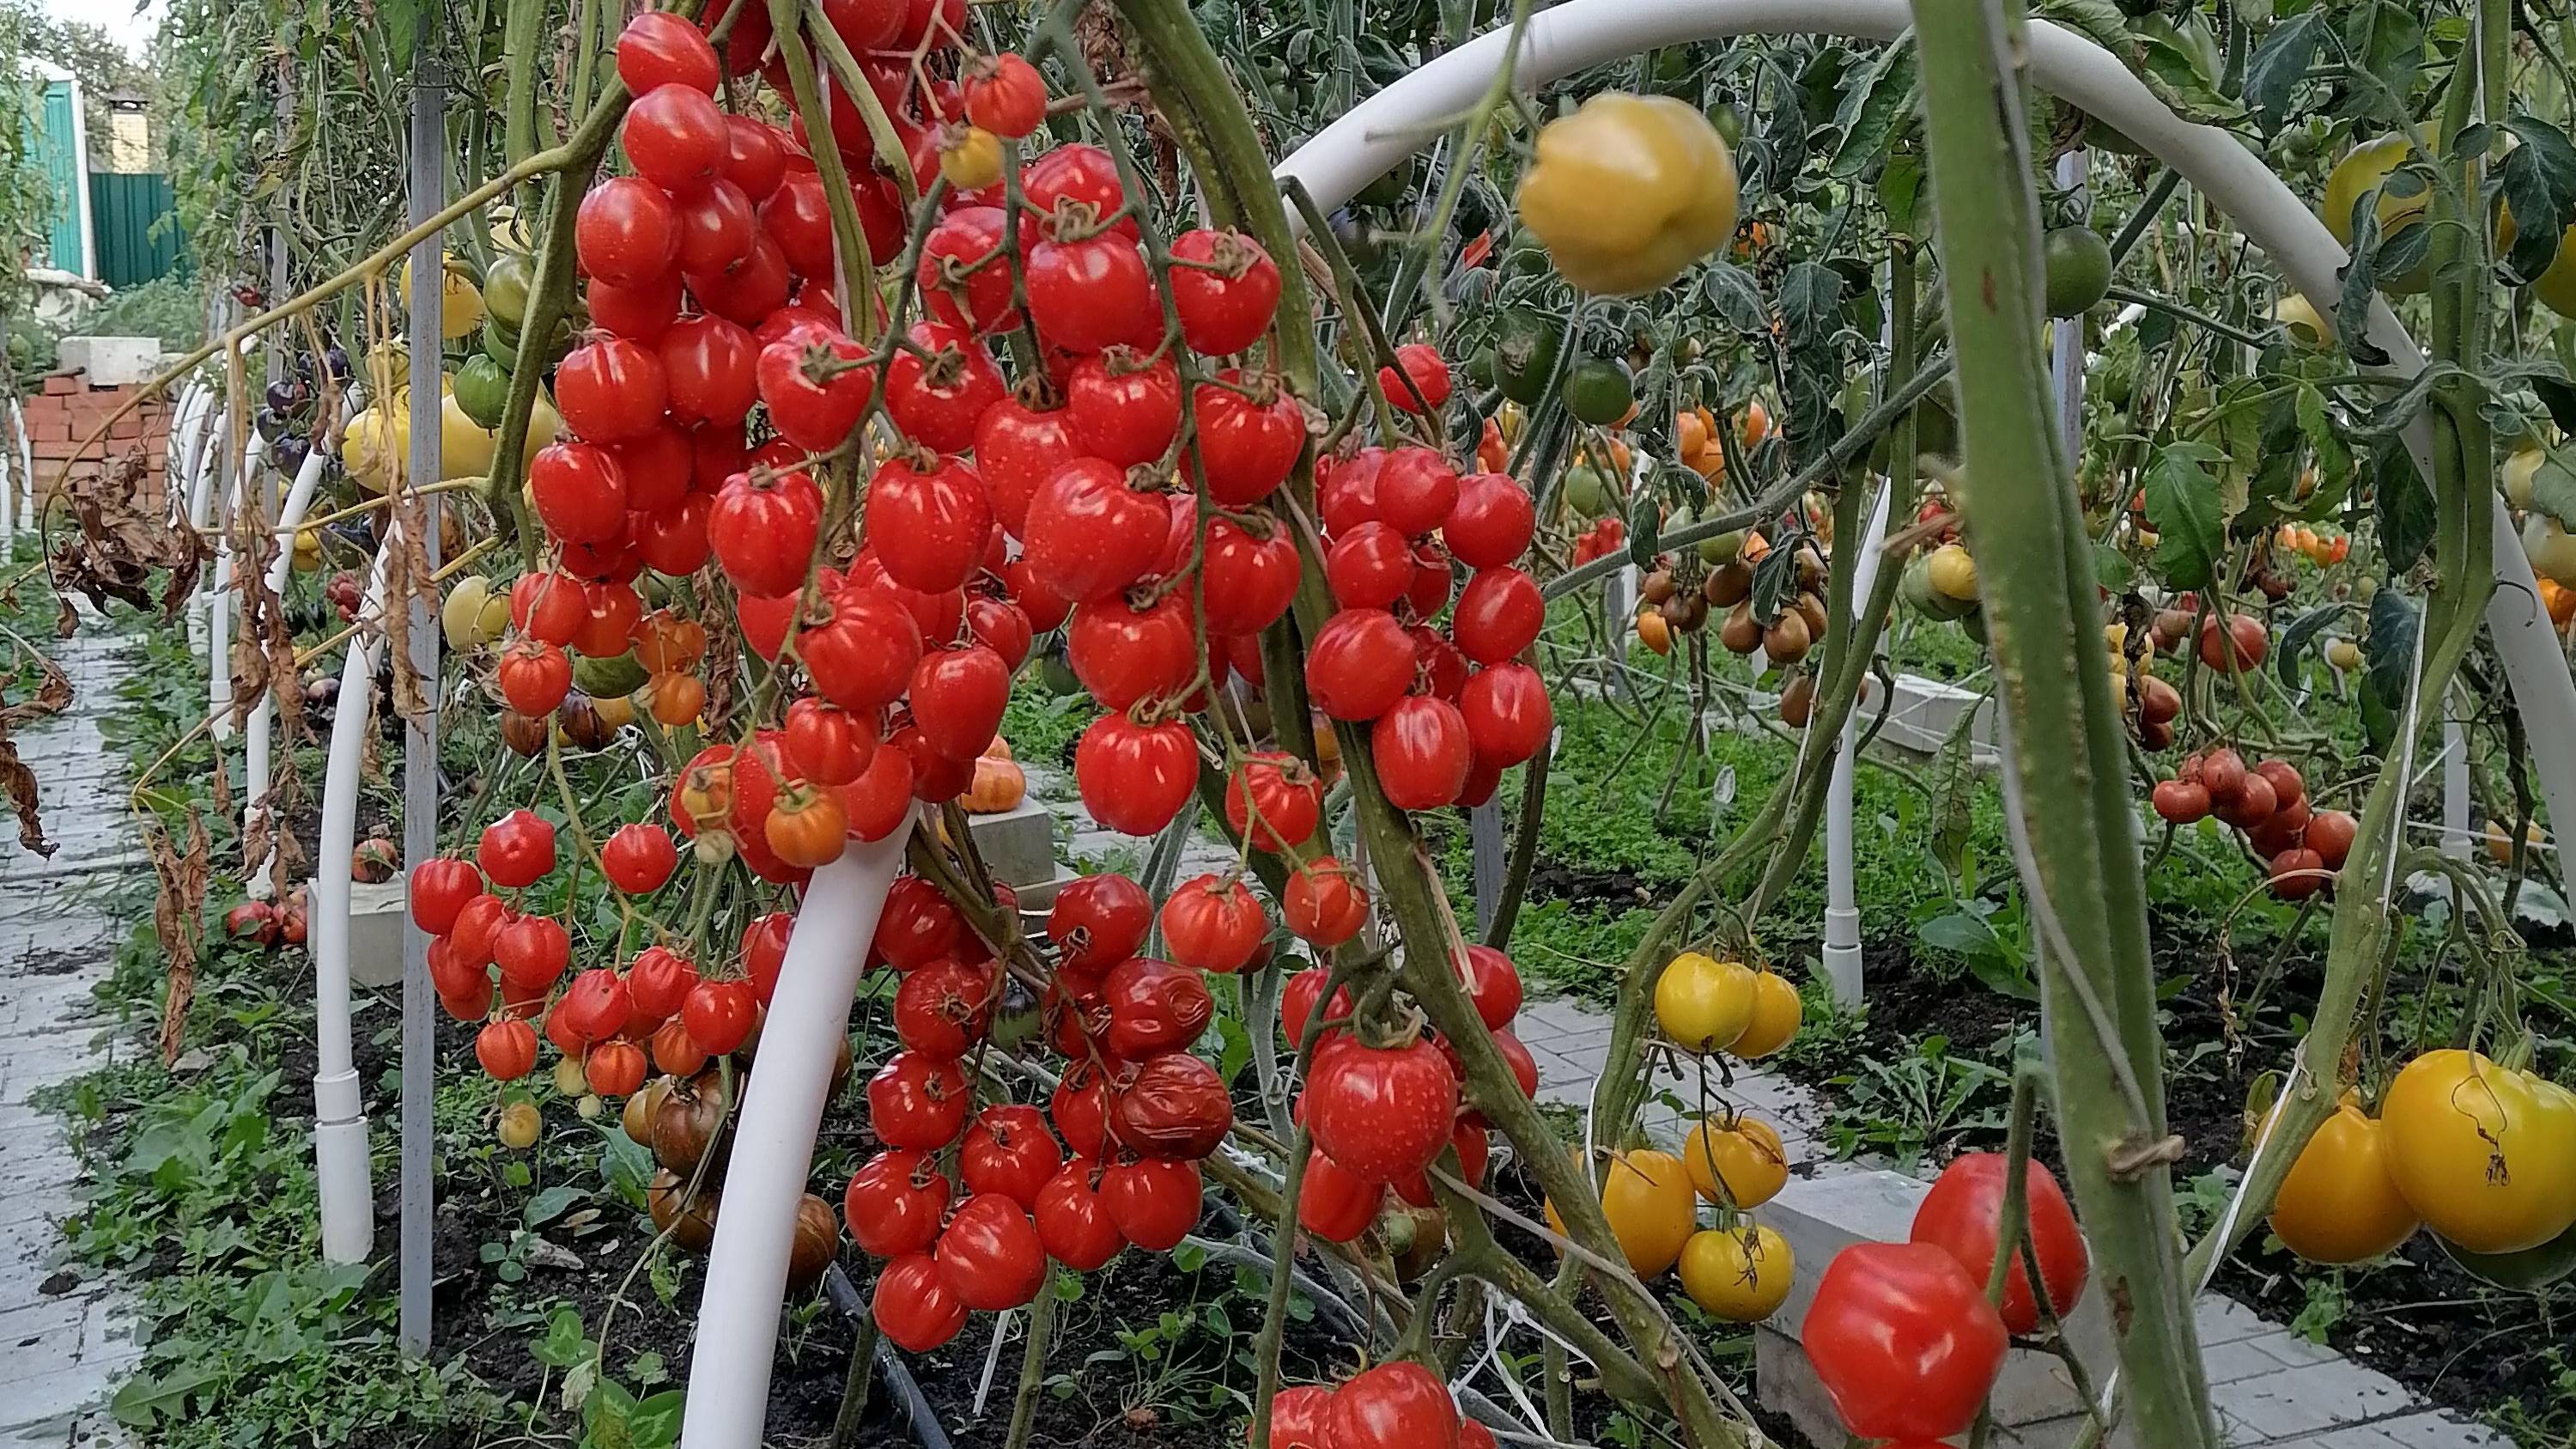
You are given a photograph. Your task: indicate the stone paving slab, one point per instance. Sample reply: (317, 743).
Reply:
(64, 1342)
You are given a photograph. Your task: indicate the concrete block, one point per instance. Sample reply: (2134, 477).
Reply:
(1018, 845)
(376, 930)
(112, 361)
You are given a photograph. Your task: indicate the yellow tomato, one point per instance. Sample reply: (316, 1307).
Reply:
(2339, 1204)
(1629, 191)
(2363, 167)
(1704, 1004)
(2518, 473)
(2500, 840)
(1647, 1198)
(2344, 655)
(1740, 1274)
(1736, 1164)
(2556, 287)
(2471, 1148)
(519, 1123)
(616, 711)
(1776, 1014)
(308, 550)
(1952, 572)
(2551, 549)
(2308, 327)
(460, 302)
(2558, 1124)
(568, 1077)
(974, 161)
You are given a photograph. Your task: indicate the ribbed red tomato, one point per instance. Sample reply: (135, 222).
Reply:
(937, 394)
(1424, 370)
(507, 1049)
(579, 490)
(961, 277)
(861, 648)
(532, 951)
(1125, 653)
(1071, 187)
(944, 1009)
(1098, 921)
(718, 1015)
(1125, 409)
(440, 888)
(1005, 95)
(1963, 1214)
(1093, 293)
(1324, 902)
(1499, 614)
(1009, 1151)
(626, 231)
(1285, 795)
(1245, 446)
(1382, 1112)
(1250, 580)
(1509, 716)
(518, 849)
(817, 383)
(958, 696)
(990, 1255)
(1073, 1222)
(1154, 1007)
(1017, 449)
(918, 1101)
(1213, 923)
(894, 1203)
(1369, 566)
(1399, 1405)
(638, 857)
(709, 370)
(913, 1307)
(1174, 1109)
(1135, 777)
(917, 926)
(717, 226)
(1155, 1203)
(1416, 488)
(1090, 534)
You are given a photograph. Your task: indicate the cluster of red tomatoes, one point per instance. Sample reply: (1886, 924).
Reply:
(1380, 1115)
(482, 947)
(2301, 848)
(1902, 1335)
(1605, 537)
(1392, 1406)
(1136, 1109)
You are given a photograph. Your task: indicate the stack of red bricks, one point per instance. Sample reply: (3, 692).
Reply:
(66, 410)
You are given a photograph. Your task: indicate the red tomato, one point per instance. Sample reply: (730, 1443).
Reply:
(709, 370)
(716, 227)
(1359, 664)
(797, 217)
(1124, 654)
(816, 384)
(1005, 95)
(1017, 448)
(937, 402)
(1245, 446)
(1250, 580)
(1073, 1222)
(1297, 1417)
(627, 232)
(828, 744)
(1071, 187)
(1155, 1203)
(1282, 792)
(2244, 633)
(1381, 1112)
(1491, 523)
(656, 466)
(894, 1203)
(1080, 1109)
(1174, 1109)
(1124, 409)
(762, 529)
(1092, 294)
(676, 138)
(990, 1256)
(1424, 369)
(659, 982)
(596, 1005)
(1399, 1405)
(1334, 1202)
(1509, 716)
(1416, 488)
(913, 1307)
(638, 857)
(580, 492)
(1492, 982)
(718, 1015)
(928, 520)
(1001, 626)
(532, 952)
(958, 696)
(1154, 1007)
(674, 541)
(1090, 534)
(1297, 1002)
(881, 799)
(1369, 566)
(518, 849)
(1214, 924)
(1098, 921)
(642, 312)
(755, 162)
(747, 41)
(1904, 1340)
(1499, 614)
(658, 48)
(1009, 1151)
(1226, 303)
(440, 889)
(918, 1101)
(862, 651)
(865, 25)
(1422, 752)
(943, 1009)
(478, 926)
(747, 291)
(961, 276)
(1135, 777)
(1324, 903)
(507, 1049)
(917, 927)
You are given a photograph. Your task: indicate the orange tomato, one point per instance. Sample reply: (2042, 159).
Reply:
(2559, 601)
(1757, 423)
(1755, 545)
(1691, 432)
(678, 698)
(1655, 631)
(807, 826)
(1491, 454)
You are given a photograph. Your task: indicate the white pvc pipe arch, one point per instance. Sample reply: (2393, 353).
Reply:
(219, 603)
(737, 1330)
(299, 498)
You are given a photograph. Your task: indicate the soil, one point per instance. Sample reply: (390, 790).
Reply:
(2418, 1317)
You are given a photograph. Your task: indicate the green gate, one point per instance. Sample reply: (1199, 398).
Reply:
(138, 236)
(57, 145)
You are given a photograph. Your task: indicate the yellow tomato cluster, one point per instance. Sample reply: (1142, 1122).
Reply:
(2482, 1154)
(377, 442)
(1706, 1005)
(1739, 1270)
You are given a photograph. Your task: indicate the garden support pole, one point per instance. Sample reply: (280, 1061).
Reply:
(1841, 954)
(773, 1144)
(2068, 804)
(348, 1200)
(1387, 127)
(2066, 337)
(420, 734)
(2455, 789)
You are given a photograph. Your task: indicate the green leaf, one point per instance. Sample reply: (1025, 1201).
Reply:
(2553, 488)
(146, 1399)
(655, 1423)
(1645, 528)
(2291, 656)
(2360, 285)
(564, 1344)
(2183, 504)
(2528, 1271)
(2538, 180)
(2334, 459)
(1876, 101)
(2278, 65)
(2112, 569)
(1954, 788)
(551, 1204)
(2388, 657)
(2405, 505)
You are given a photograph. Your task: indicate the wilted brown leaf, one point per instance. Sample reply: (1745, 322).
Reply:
(116, 546)
(20, 784)
(175, 907)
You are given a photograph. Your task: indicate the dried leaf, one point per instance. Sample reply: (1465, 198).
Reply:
(53, 693)
(20, 783)
(115, 547)
(175, 908)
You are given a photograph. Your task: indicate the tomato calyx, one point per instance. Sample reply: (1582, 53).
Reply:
(819, 364)
(1230, 256)
(1073, 219)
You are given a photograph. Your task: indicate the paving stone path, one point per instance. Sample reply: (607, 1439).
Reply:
(64, 1340)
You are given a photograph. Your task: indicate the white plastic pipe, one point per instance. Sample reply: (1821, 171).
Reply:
(1842, 963)
(219, 604)
(9, 486)
(339, 1112)
(1389, 126)
(202, 474)
(2455, 789)
(773, 1145)
(299, 498)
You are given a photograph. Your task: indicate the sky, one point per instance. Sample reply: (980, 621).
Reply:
(116, 17)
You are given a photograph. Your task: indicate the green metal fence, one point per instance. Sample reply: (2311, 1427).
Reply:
(136, 242)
